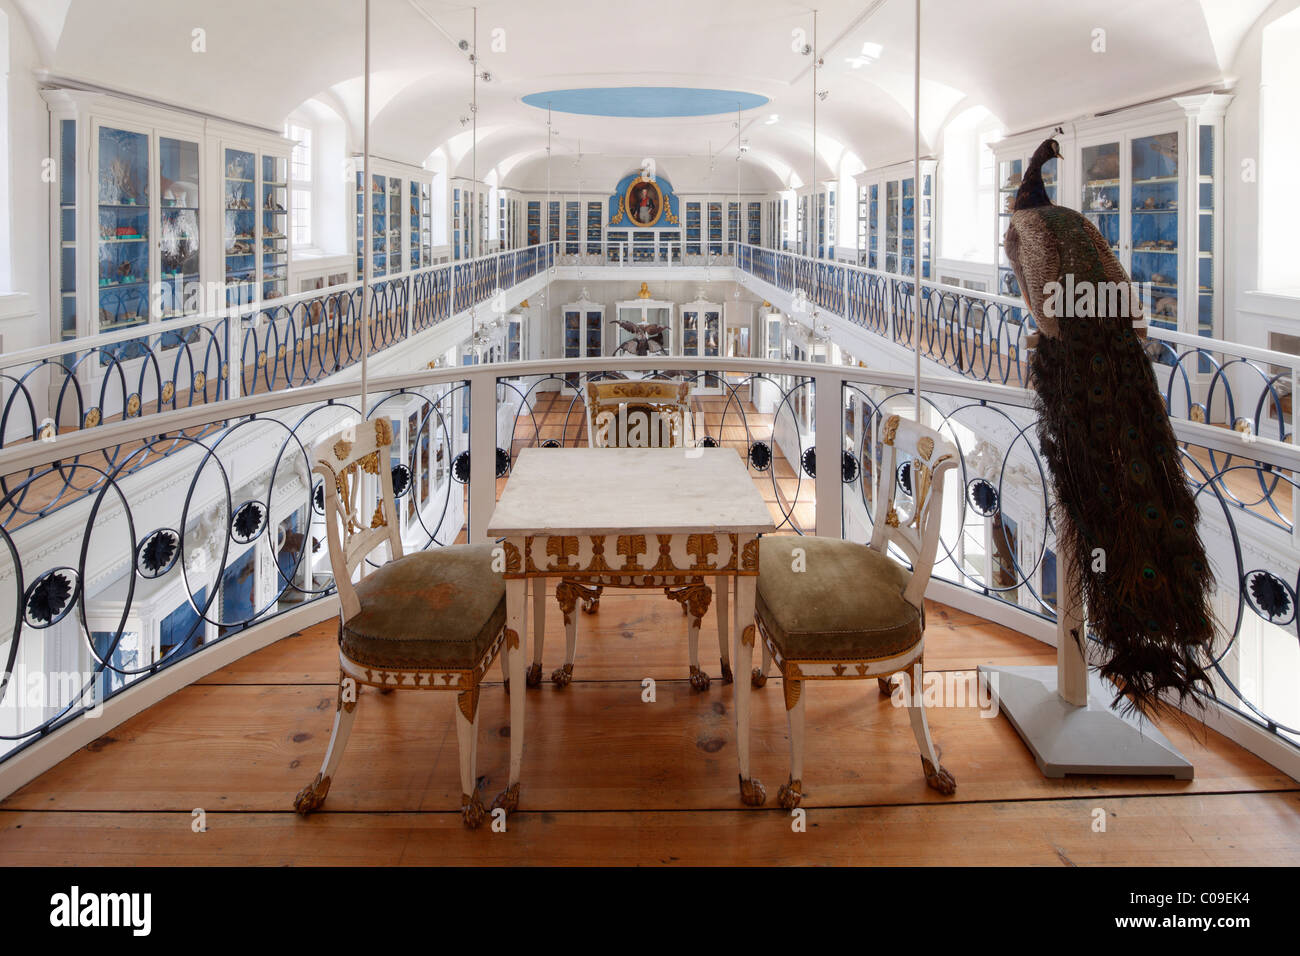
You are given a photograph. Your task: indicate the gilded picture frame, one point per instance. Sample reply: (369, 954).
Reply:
(643, 188)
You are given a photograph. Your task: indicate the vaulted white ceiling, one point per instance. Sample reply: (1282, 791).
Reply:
(1030, 62)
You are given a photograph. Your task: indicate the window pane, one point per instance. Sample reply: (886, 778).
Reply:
(302, 217)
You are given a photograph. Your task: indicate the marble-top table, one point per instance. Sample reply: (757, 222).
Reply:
(644, 514)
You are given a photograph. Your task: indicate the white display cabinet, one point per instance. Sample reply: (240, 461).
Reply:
(400, 205)
(468, 207)
(1151, 180)
(582, 330)
(700, 335)
(903, 224)
(646, 312)
(131, 212)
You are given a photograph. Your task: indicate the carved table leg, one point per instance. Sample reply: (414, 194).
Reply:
(567, 595)
(695, 602)
(722, 590)
(538, 591)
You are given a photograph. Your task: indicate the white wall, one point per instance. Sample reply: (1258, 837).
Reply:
(1242, 199)
(26, 197)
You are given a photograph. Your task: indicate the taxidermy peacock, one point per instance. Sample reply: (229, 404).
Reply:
(1105, 434)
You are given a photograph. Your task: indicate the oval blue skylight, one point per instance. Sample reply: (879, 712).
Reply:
(645, 102)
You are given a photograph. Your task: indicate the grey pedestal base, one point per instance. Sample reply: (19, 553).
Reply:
(1068, 739)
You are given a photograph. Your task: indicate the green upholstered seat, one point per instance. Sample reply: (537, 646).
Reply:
(846, 605)
(437, 608)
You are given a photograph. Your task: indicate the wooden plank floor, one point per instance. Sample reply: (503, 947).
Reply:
(610, 779)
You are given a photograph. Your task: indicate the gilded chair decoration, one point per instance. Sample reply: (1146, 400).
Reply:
(431, 620)
(633, 414)
(855, 613)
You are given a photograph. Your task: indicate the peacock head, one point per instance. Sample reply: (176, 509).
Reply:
(1048, 150)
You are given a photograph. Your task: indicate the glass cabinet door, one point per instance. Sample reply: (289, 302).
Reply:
(67, 317)
(892, 207)
(275, 226)
(1154, 224)
(595, 323)
(178, 223)
(1205, 234)
(396, 250)
(1099, 198)
(240, 226)
(1010, 172)
(692, 229)
(379, 224)
(123, 212)
(416, 237)
(907, 259)
(690, 332)
(873, 225)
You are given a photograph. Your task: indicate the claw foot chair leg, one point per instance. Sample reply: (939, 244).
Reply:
(312, 796)
(936, 777)
(471, 807)
(514, 647)
(752, 792)
(722, 588)
(791, 793)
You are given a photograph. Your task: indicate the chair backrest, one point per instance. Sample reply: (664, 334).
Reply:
(648, 413)
(353, 529)
(930, 456)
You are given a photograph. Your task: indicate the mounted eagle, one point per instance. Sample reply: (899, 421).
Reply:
(646, 337)
(1124, 511)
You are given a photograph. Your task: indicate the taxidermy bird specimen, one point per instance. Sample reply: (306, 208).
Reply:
(1125, 513)
(645, 338)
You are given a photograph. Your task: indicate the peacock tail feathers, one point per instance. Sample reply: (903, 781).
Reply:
(1125, 512)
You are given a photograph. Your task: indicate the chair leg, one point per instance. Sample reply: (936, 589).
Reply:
(534, 676)
(886, 685)
(566, 595)
(312, 796)
(721, 588)
(935, 776)
(759, 677)
(472, 811)
(791, 792)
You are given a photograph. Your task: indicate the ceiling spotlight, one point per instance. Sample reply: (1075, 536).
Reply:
(807, 49)
(463, 44)
(821, 95)
(485, 76)
(464, 121)
(744, 146)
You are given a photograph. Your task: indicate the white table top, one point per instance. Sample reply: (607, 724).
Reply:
(580, 491)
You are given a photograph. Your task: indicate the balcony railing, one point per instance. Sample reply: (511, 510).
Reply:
(144, 574)
(253, 348)
(982, 337)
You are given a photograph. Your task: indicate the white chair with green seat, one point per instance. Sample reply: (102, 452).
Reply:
(431, 620)
(846, 611)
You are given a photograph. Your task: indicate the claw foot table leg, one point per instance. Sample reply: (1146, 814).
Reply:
(752, 792)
